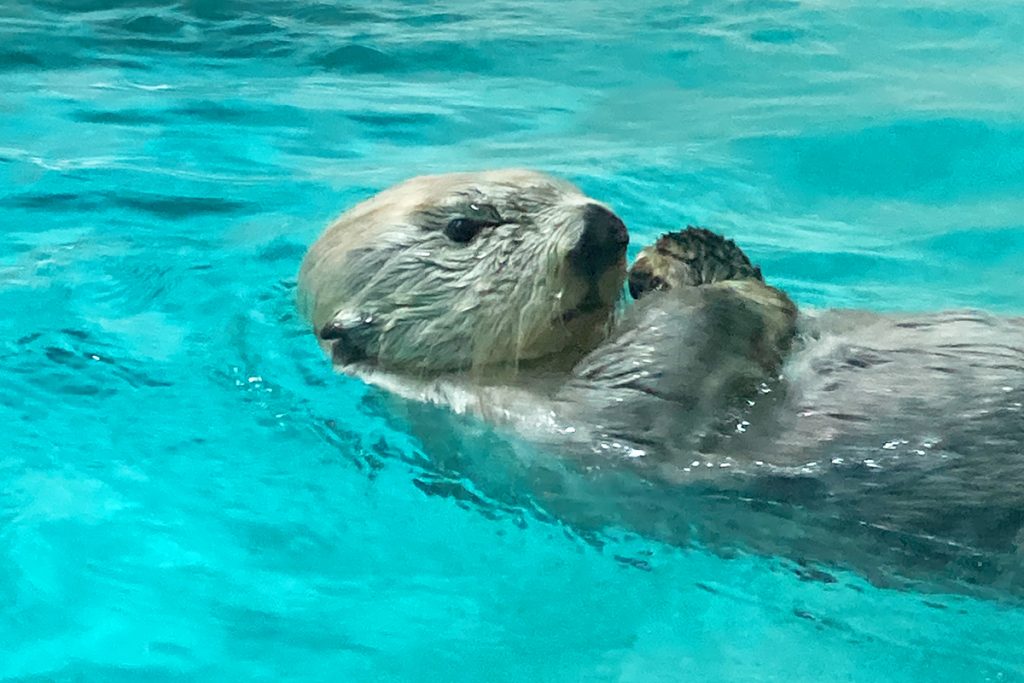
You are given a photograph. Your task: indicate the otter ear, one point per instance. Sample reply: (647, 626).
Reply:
(350, 334)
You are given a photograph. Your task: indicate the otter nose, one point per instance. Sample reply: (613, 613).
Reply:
(603, 242)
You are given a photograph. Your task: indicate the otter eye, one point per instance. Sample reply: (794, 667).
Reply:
(474, 218)
(462, 229)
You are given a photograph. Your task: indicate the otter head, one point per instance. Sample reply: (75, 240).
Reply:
(465, 271)
(688, 258)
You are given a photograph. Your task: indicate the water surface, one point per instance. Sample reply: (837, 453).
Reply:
(190, 494)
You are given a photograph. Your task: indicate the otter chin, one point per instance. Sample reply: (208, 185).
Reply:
(465, 271)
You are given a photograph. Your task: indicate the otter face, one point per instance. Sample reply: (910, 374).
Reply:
(687, 258)
(465, 270)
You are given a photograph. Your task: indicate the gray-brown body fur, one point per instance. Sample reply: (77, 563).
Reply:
(895, 443)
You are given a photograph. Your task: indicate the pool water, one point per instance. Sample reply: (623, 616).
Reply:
(188, 493)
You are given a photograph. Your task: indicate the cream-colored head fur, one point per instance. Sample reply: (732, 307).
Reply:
(459, 271)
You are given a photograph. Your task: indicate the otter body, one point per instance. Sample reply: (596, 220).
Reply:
(896, 441)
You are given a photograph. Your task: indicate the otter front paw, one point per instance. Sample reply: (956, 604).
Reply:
(689, 258)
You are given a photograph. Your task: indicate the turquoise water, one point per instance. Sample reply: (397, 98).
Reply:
(188, 493)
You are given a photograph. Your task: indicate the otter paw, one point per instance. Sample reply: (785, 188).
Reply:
(689, 258)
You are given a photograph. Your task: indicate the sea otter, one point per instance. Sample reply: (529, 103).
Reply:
(710, 410)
